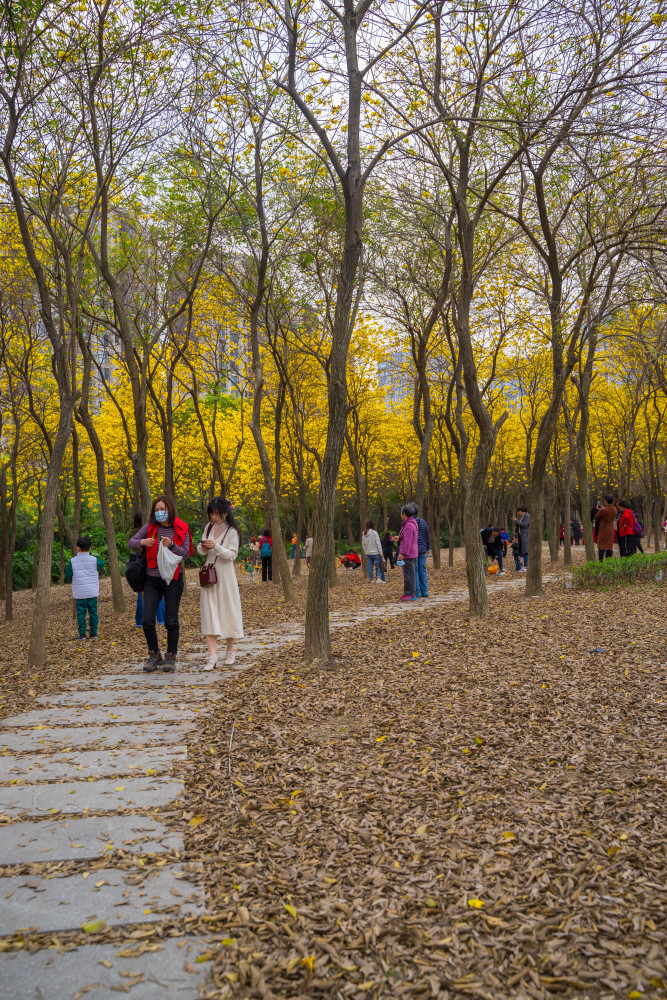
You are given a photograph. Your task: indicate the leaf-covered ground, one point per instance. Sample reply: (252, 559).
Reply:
(457, 809)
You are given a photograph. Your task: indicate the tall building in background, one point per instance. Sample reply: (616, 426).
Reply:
(395, 377)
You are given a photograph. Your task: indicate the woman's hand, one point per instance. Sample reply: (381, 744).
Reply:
(208, 543)
(168, 542)
(147, 542)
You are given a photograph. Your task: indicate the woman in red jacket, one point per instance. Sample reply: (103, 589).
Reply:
(164, 527)
(627, 541)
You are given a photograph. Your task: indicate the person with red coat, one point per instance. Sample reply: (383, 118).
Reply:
(164, 527)
(627, 541)
(351, 560)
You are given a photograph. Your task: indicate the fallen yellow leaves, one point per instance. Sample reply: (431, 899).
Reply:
(93, 926)
(476, 904)
(197, 821)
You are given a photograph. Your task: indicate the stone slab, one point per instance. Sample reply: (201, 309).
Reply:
(90, 837)
(97, 716)
(85, 763)
(96, 796)
(129, 696)
(48, 975)
(81, 736)
(177, 680)
(120, 897)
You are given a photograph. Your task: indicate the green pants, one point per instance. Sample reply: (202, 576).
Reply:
(86, 605)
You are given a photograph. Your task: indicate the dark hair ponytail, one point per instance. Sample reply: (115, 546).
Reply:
(223, 507)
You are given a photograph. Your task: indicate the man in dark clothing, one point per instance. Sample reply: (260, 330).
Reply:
(522, 522)
(388, 549)
(493, 544)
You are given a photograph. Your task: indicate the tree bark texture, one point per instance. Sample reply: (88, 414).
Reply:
(41, 606)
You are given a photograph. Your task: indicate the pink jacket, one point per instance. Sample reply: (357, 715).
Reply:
(407, 539)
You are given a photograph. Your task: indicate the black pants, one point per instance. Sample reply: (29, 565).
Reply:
(627, 545)
(267, 573)
(154, 590)
(605, 554)
(390, 559)
(409, 581)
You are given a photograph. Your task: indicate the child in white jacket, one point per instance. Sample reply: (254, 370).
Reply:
(83, 573)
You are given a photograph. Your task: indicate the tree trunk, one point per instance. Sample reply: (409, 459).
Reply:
(475, 559)
(279, 557)
(434, 530)
(38, 539)
(333, 569)
(4, 544)
(9, 562)
(545, 437)
(423, 465)
(83, 415)
(451, 526)
(585, 498)
(567, 509)
(318, 637)
(348, 528)
(296, 568)
(41, 606)
(76, 476)
(549, 519)
(361, 487)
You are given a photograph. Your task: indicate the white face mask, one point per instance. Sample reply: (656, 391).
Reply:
(161, 515)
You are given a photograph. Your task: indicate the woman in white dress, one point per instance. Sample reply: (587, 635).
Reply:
(220, 603)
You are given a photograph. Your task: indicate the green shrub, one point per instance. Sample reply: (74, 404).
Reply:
(616, 572)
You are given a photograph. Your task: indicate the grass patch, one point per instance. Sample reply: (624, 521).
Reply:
(617, 572)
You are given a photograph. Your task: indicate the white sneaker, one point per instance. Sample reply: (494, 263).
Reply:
(211, 663)
(230, 658)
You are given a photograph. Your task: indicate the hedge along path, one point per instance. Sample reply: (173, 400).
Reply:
(96, 895)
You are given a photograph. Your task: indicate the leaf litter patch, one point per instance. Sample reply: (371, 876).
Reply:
(459, 808)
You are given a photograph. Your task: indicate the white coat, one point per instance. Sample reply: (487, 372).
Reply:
(370, 543)
(220, 604)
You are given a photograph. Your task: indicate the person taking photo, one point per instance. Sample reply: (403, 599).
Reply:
(164, 527)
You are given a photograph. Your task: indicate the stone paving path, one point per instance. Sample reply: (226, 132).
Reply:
(88, 778)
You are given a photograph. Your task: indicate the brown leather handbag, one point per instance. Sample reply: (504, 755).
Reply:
(207, 573)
